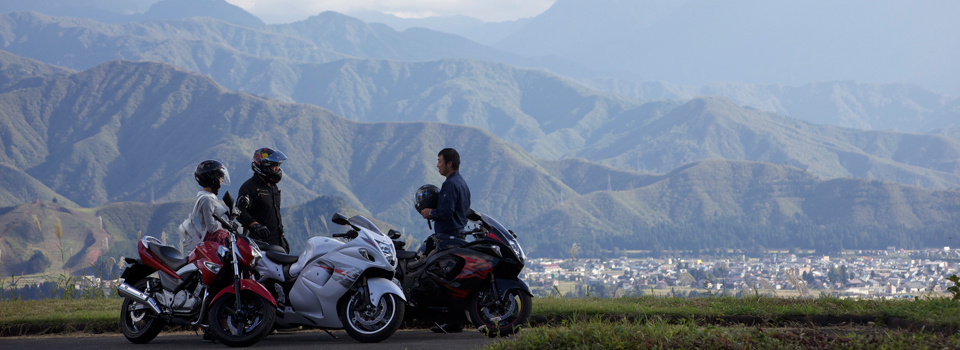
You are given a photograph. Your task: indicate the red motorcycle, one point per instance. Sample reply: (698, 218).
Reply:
(210, 289)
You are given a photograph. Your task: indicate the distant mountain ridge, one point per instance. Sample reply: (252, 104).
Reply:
(124, 11)
(697, 42)
(487, 33)
(902, 107)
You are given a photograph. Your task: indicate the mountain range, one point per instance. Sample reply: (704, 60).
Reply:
(104, 133)
(134, 131)
(546, 114)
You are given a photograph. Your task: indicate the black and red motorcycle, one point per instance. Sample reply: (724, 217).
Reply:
(210, 289)
(456, 281)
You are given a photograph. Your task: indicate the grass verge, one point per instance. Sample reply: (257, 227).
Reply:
(940, 312)
(47, 316)
(660, 334)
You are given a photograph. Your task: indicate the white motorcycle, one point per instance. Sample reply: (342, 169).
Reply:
(338, 285)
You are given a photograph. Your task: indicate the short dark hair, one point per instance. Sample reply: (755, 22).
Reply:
(450, 155)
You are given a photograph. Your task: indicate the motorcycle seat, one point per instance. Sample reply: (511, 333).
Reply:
(169, 256)
(406, 254)
(281, 258)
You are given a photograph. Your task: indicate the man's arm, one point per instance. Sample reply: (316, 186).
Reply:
(245, 218)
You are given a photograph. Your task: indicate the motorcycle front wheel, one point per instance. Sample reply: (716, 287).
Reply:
(244, 327)
(137, 321)
(370, 324)
(496, 316)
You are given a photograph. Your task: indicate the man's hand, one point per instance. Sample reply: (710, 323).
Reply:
(259, 231)
(426, 213)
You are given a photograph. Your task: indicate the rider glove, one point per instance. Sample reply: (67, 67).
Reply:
(259, 232)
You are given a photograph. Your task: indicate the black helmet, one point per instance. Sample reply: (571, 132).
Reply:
(426, 197)
(209, 174)
(265, 158)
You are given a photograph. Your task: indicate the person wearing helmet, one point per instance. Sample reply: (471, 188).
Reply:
(259, 199)
(447, 208)
(210, 175)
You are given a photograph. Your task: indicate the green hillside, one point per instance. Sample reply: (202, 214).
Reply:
(128, 131)
(19, 187)
(746, 205)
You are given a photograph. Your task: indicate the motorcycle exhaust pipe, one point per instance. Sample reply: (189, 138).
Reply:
(127, 291)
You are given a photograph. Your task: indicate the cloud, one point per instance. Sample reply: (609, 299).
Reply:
(285, 11)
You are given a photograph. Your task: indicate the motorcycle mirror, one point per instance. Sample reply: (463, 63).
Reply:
(340, 219)
(473, 215)
(228, 200)
(393, 234)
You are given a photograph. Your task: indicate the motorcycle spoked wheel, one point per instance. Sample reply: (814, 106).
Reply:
(137, 321)
(499, 317)
(247, 327)
(371, 325)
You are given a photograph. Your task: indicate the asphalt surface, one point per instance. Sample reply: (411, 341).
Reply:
(309, 339)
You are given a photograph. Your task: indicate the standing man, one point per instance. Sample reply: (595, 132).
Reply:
(450, 216)
(259, 199)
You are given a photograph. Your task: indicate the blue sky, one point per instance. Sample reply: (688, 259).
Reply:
(285, 11)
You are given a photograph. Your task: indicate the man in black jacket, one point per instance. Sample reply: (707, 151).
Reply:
(259, 199)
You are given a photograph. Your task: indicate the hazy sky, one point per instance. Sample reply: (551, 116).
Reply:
(285, 11)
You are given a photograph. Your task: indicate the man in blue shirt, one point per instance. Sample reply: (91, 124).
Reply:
(450, 216)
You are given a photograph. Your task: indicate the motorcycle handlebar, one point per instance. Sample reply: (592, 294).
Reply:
(348, 234)
(224, 224)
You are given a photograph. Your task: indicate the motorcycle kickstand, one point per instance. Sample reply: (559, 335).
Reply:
(441, 328)
(331, 334)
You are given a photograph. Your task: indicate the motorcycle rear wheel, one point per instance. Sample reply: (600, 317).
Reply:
(248, 329)
(374, 325)
(137, 321)
(499, 317)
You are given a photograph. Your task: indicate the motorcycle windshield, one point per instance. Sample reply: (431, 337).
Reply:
(365, 223)
(504, 235)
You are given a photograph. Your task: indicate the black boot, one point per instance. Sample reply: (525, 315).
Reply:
(448, 328)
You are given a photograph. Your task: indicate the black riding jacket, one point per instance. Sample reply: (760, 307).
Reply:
(264, 208)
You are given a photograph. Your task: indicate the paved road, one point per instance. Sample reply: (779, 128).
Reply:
(312, 339)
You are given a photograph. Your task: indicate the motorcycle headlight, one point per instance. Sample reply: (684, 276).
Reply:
(212, 266)
(387, 250)
(255, 251)
(517, 250)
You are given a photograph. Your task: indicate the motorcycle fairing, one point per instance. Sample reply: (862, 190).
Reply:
(314, 298)
(379, 286)
(314, 248)
(176, 284)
